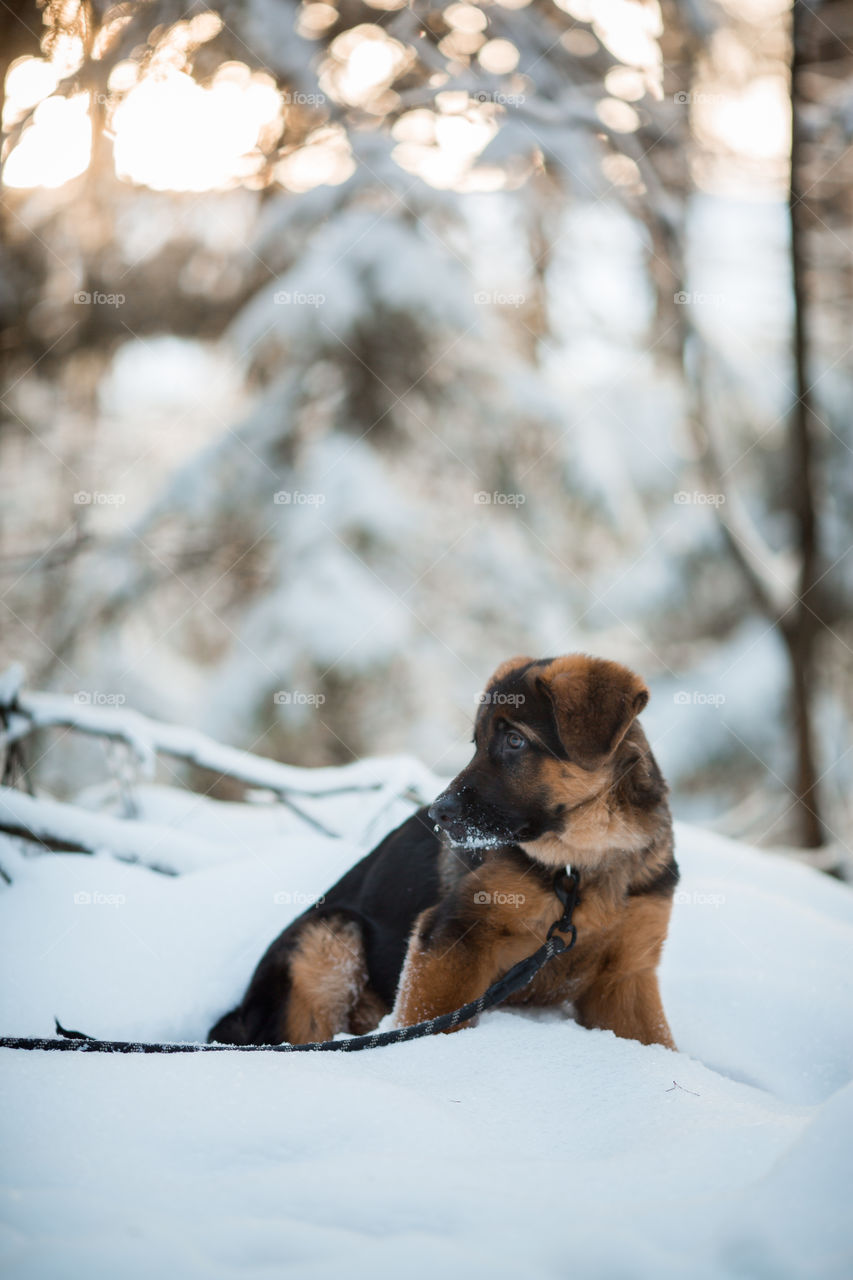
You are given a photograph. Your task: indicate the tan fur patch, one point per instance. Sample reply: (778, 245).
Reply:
(595, 825)
(624, 997)
(440, 977)
(328, 974)
(594, 703)
(611, 978)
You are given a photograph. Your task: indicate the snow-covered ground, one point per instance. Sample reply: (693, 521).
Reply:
(526, 1147)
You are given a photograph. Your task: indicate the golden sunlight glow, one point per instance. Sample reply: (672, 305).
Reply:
(498, 56)
(581, 10)
(325, 159)
(630, 31)
(56, 144)
(415, 126)
(628, 28)
(755, 124)
(441, 147)
(123, 76)
(756, 11)
(460, 44)
(169, 133)
(625, 83)
(313, 20)
(173, 135)
(362, 64)
(28, 82)
(465, 17)
(622, 171)
(55, 147)
(617, 115)
(204, 27)
(185, 36)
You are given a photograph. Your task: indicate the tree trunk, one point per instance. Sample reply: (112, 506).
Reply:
(802, 626)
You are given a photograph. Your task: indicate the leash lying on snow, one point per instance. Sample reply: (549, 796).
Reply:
(566, 889)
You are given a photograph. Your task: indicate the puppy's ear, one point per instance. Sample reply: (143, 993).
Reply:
(506, 668)
(594, 703)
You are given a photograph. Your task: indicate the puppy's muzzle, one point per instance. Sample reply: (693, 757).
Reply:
(448, 812)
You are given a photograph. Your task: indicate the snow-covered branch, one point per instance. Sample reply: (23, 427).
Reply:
(149, 738)
(65, 827)
(61, 826)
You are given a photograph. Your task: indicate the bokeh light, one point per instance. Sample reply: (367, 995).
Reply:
(55, 148)
(324, 160)
(172, 134)
(362, 63)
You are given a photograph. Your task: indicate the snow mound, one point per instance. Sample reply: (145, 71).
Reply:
(526, 1146)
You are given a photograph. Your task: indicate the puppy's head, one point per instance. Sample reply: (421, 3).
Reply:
(547, 742)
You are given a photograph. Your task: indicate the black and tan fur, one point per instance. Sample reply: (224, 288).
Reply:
(562, 773)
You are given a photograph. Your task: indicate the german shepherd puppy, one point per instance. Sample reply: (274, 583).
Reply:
(562, 773)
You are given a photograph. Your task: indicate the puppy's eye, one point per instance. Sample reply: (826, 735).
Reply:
(515, 741)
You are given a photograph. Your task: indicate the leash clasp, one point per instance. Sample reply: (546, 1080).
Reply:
(566, 884)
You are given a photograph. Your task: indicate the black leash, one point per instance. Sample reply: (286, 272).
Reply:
(566, 888)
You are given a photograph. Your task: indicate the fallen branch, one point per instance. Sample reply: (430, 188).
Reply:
(58, 826)
(67, 828)
(148, 738)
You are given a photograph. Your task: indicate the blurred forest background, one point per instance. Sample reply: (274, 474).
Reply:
(350, 348)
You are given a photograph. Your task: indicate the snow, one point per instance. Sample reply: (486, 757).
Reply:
(360, 255)
(730, 690)
(72, 828)
(525, 1146)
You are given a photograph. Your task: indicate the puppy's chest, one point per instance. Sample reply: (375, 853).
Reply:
(564, 977)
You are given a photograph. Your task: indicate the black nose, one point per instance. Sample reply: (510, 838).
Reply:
(446, 808)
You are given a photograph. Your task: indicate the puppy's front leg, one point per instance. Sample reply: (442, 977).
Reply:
(624, 996)
(446, 966)
(630, 1007)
